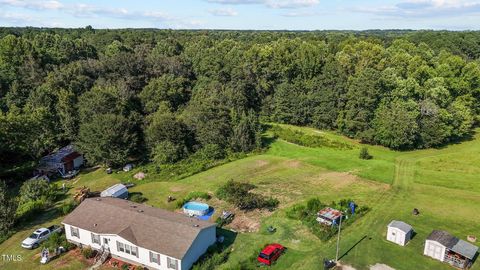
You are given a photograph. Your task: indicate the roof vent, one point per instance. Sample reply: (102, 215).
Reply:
(133, 206)
(95, 225)
(98, 199)
(140, 210)
(196, 225)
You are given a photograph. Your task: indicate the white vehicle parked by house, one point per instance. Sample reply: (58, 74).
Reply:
(40, 235)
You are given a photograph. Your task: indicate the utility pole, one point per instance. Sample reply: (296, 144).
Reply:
(338, 237)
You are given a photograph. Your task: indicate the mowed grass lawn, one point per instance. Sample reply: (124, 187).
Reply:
(444, 184)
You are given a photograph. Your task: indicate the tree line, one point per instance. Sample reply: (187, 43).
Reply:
(164, 95)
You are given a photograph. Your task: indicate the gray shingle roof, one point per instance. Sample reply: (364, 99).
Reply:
(400, 225)
(152, 228)
(453, 243)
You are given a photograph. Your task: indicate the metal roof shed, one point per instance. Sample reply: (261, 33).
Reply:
(116, 191)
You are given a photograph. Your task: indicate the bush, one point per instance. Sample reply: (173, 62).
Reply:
(239, 194)
(68, 207)
(30, 209)
(192, 196)
(212, 261)
(167, 152)
(125, 266)
(36, 189)
(137, 197)
(364, 154)
(88, 252)
(139, 267)
(57, 240)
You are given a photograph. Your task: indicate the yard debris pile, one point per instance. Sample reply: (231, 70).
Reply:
(326, 226)
(84, 192)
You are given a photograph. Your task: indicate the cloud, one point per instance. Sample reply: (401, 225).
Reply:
(304, 14)
(280, 4)
(425, 8)
(32, 4)
(227, 12)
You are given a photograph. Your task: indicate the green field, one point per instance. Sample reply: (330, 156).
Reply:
(444, 184)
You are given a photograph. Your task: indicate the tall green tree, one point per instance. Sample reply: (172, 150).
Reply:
(107, 139)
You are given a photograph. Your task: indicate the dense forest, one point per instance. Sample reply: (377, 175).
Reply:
(165, 95)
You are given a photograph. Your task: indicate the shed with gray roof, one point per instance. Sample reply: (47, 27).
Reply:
(399, 232)
(444, 247)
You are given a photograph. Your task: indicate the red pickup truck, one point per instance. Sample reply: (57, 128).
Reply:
(270, 254)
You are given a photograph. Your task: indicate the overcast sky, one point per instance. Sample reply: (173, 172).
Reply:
(245, 14)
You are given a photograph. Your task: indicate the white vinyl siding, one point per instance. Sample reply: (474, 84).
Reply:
(154, 257)
(172, 263)
(74, 232)
(96, 239)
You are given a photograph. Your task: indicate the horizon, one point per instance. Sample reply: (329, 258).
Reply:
(282, 15)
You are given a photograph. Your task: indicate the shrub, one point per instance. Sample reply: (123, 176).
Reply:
(57, 240)
(88, 252)
(125, 266)
(139, 267)
(68, 207)
(36, 189)
(167, 152)
(239, 194)
(137, 197)
(364, 153)
(211, 152)
(29, 209)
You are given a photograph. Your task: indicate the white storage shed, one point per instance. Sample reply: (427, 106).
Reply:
(399, 232)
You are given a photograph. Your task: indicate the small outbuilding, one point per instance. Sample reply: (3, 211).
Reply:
(444, 247)
(399, 232)
(329, 216)
(116, 191)
(62, 161)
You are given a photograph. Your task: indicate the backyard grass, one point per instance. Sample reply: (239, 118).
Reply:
(444, 184)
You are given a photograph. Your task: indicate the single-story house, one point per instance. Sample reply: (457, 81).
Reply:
(444, 247)
(139, 234)
(399, 232)
(329, 216)
(116, 191)
(62, 161)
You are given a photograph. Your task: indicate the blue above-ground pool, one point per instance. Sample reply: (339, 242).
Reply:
(196, 208)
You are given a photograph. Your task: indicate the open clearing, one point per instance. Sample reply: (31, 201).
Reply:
(444, 184)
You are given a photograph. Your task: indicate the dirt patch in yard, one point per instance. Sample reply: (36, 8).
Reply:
(248, 221)
(293, 164)
(380, 266)
(261, 163)
(176, 189)
(344, 267)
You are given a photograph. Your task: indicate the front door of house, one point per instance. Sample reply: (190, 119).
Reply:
(105, 243)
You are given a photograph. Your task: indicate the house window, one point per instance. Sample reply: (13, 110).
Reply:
(95, 238)
(74, 232)
(120, 247)
(155, 258)
(134, 251)
(172, 263)
(127, 249)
